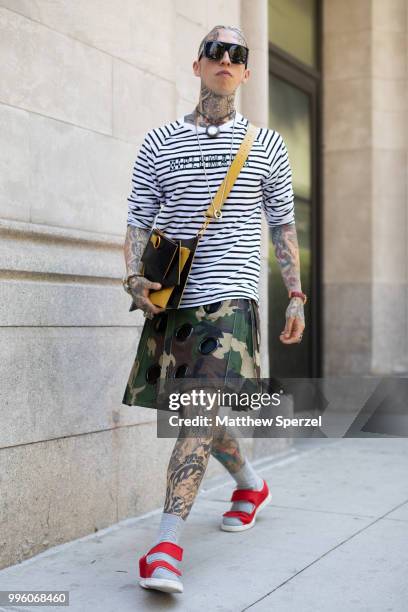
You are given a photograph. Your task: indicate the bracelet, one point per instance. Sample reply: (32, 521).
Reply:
(300, 294)
(131, 276)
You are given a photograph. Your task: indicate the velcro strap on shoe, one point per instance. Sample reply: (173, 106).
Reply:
(248, 495)
(168, 547)
(242, 516)
(161, 563)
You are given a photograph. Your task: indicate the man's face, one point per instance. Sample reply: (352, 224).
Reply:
(222, 76)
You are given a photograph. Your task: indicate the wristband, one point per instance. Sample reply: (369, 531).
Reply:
(298, 294)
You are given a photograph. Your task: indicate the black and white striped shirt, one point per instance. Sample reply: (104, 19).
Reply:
(169, 183)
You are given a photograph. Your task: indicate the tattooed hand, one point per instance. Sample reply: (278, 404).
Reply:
(295, 322)
(140, 287)
(135, 243)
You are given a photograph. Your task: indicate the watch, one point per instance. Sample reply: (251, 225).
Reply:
(298, 294)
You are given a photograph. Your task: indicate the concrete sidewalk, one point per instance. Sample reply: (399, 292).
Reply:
(335, 537)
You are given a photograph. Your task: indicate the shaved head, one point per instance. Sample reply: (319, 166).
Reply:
(220, 77)
(214, 34)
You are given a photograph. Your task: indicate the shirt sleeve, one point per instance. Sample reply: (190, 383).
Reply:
(278, 197)
(146, 195)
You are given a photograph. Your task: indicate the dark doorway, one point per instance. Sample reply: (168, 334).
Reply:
(295, 112)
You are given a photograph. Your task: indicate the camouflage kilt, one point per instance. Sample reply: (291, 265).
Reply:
(218, 342)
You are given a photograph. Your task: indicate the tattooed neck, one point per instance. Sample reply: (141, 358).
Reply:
(219, 109)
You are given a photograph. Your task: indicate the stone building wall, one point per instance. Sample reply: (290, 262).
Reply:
(81, 83)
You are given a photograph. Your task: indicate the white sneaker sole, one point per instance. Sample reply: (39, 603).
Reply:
(265, 502)
(161, 584)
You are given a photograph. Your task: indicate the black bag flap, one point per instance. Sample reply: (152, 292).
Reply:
(159, 255)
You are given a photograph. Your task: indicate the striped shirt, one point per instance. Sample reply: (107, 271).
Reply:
(170, 192)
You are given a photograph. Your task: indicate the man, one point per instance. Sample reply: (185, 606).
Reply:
(215, 331)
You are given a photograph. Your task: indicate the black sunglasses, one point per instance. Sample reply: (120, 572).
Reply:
(215, 49)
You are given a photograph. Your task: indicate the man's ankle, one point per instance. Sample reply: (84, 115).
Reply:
(247, 478)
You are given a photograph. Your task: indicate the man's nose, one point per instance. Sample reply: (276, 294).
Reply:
(226, 58)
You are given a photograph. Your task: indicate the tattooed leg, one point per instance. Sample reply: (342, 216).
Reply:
(185, 472)
(225, 448)
(187, 464)
(186, 469)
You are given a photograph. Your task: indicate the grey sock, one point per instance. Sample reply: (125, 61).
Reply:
(246, 478)
(171, 526)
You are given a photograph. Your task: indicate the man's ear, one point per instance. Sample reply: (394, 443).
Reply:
(197, 68)
(246, 75)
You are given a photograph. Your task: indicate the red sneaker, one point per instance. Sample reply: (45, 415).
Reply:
(260, 499)
(146, 569)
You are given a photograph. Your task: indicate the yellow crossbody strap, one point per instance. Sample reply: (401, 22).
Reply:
(231, 176)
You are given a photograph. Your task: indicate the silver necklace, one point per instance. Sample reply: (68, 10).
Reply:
(217, 214)
(213, 130)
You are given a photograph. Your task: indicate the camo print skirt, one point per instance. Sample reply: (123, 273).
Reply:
(215, 342)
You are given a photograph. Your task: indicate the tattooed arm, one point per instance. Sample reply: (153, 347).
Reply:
(284, 238)
(135, 242)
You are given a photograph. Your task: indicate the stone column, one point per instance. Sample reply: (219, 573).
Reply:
(254, 100)
(255, 106)
(389, 194)
(365, 204)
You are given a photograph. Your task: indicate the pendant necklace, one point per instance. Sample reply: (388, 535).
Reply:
(213, 130)
(217, 213)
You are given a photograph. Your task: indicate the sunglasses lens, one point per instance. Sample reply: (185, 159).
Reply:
(215, 50)
(237, 54)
